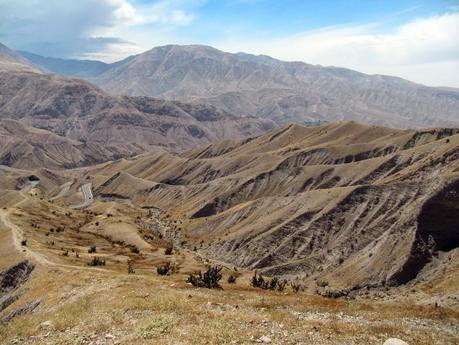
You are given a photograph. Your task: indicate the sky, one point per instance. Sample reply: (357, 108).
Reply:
(416, 40)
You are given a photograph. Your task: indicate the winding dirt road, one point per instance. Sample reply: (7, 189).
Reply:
(17, 235)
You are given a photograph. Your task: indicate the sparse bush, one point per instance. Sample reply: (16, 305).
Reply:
(231, 279)
(96, 261)
(164, 270)
(65, 253)
(322, 283)
(135, 250)
(92, 249)
(296, 286)
(24, 243)
(209, 279)
(130, 267)
(259, 281)
(335, 293)
(281, 284)
(169, 249)
(275, 283)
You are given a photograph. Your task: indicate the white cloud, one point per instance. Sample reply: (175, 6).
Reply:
(86, 27)
(424, 50)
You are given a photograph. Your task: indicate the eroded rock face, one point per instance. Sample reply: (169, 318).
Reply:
(10, 280)
(21, 310)
(437, 230)
(15, 276)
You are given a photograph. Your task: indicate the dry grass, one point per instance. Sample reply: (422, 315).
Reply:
(85, 304)
(146, 309)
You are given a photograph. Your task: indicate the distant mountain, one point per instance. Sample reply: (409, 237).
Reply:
(27, 147)
(68, 67)
(77, 110)
(11, 60)
(281, 91)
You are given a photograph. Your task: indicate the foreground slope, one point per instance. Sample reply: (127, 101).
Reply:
(350, 204)
(277, 90)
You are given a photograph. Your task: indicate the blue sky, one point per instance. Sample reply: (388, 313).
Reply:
(416, 40)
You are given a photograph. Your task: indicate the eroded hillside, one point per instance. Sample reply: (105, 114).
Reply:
(347, 203)
(361, 220)
(73, 109)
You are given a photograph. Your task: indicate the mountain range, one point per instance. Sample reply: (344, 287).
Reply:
(264, 87)
(117, 207)
(77, 110)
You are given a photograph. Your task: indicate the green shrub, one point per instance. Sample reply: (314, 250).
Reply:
(210, 279)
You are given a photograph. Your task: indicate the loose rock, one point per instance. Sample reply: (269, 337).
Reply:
(395, 341)
(265, 340)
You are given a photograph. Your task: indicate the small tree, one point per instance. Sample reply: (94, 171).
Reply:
(24, 243)
(92, 249)
(231, 279)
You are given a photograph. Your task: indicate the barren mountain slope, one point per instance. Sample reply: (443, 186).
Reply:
(51, 292)
(29, 148)
(11, 60)
(78, 110)
(68, 67)
(277, 90)
(348, 203)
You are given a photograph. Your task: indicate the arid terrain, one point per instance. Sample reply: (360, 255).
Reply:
(116, 127)
(267, 88)
(360, 220)
(253, 201)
